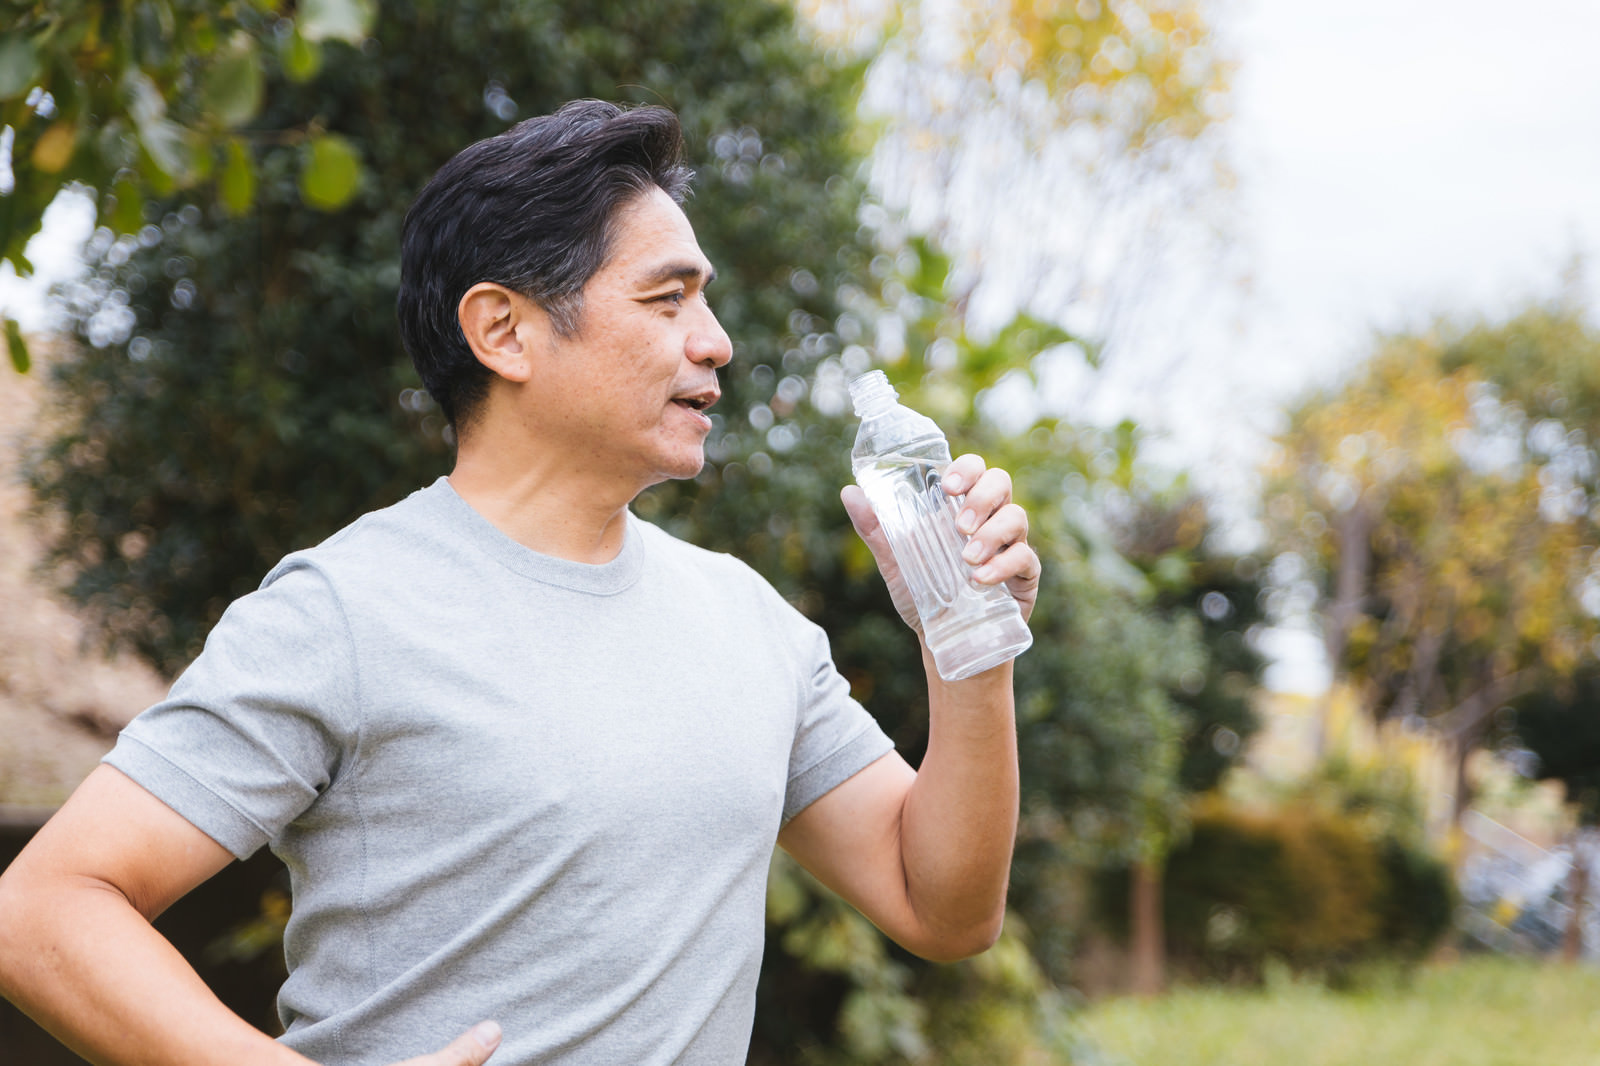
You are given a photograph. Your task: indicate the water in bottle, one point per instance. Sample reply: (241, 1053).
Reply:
(899, 460)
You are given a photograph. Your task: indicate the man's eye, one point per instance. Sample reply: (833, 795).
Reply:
(672, 297)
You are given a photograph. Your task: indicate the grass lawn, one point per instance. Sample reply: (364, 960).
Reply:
(1479, 1012)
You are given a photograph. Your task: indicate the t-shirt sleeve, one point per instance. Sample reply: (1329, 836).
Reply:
(835, 738)
(257, 727)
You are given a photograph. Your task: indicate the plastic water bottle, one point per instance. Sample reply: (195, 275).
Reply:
(899, 460)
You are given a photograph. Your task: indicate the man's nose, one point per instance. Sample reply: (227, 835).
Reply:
(709, 342)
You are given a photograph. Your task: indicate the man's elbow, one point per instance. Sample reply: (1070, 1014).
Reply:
(956, 943)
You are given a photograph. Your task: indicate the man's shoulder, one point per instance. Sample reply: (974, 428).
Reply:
(378, 540)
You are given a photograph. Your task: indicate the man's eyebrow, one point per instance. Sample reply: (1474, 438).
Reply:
(674, 271)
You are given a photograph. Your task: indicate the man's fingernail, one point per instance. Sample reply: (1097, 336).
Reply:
(487, 1034)
(954, 483)
(973, 552)
(967, 522)
(986, 574)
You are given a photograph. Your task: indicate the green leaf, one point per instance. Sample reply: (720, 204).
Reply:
(237, 183)
(168, 147)
(233, 86)
(17, 346)
(331, 173)
(19, 67)
(301, 58)
(340, 20)
(127, 213)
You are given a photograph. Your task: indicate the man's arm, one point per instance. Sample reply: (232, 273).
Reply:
(926, 854)
(78, 953)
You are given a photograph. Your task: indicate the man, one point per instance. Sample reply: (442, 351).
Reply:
(524, 756)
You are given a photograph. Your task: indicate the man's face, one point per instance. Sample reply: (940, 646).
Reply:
(628, 391)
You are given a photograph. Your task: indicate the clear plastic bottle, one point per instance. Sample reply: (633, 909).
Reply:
(899, 460)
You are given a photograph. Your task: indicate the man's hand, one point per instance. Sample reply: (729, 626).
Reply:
(471, 1048)
(997, 531)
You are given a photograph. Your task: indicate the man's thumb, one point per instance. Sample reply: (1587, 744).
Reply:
(471, 1048)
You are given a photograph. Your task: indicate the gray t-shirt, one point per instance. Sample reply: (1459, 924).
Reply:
(509, 786)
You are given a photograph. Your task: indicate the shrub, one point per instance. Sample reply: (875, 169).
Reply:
(1314, 889)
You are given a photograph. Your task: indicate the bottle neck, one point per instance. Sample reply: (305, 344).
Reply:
(872, 395)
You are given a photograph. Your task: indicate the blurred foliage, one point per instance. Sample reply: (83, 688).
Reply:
(1379, 791)
(1332, 874)
(1166, 534)
(1296, 883)
(141, 99)
(1443, 501)
(238, 391)
(1306, 884)
(1170, 538)
(138, 100)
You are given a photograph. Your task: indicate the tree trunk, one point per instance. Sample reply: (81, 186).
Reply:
(1149, 961)
(1461, 748)
(1349, 592)
(1578, 897)
(1464, 726)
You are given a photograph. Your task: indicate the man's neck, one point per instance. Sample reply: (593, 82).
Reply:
(548, 507)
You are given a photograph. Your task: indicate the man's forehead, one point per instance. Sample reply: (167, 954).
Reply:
(655, 238)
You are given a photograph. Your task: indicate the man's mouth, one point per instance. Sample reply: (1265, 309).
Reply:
(699, 401)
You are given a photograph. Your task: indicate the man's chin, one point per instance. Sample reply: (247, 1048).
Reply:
(685, 470)
(690, 470)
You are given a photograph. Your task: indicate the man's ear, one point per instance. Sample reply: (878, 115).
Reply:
(495, 321)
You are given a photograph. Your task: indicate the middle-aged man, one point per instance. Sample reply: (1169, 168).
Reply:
(524, 755)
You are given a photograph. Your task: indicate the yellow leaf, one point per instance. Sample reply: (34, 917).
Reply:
(53, 151)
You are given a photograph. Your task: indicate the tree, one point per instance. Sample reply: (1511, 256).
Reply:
(1170, 538)
(132, 101)
(1546, 362)
(1444, 509)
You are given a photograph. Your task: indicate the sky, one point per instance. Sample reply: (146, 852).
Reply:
(1410, 157)
(1400, 160)
(1397, 160)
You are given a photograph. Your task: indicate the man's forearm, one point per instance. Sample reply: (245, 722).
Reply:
(960, 817)
(80, 960)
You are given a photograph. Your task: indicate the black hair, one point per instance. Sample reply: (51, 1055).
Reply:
(532, 209)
